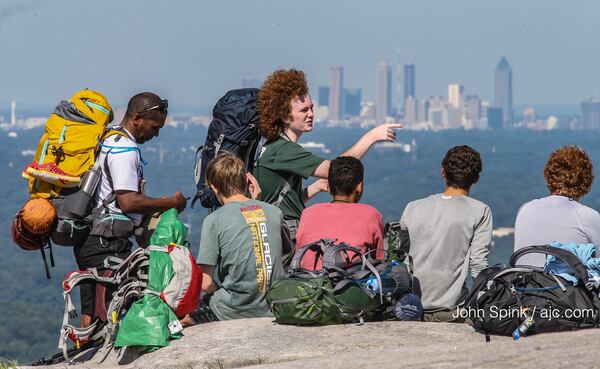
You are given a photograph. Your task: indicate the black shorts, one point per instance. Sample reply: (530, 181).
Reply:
(91, 254)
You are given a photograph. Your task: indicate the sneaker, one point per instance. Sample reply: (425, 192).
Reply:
(50, 173)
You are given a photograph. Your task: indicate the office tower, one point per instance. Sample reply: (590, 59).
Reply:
(410, 108)
(438, 117)
(336, 89)
(399, 102)
(455, 95)
(323, 96)
(494, 117)
(251, 83)
(422, 111)
(454, 117)
(13, 113)
(352, 99)
(473, 108)
(503, 92)
(590, 114)
(409, 81)
(384, 91)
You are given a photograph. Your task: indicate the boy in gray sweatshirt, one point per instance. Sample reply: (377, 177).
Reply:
(450, 234)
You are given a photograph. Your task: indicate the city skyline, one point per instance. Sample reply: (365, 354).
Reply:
(185, 60)
(337, 104)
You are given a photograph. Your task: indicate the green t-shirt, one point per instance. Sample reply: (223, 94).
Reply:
(244, 241)
(282, 159)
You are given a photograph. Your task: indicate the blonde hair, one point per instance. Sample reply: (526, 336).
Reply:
(228, 174)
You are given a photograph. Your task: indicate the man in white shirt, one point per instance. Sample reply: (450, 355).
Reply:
(120, 193)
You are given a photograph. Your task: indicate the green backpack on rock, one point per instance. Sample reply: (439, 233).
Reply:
(333, 295)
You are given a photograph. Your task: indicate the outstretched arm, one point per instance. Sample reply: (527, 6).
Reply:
(321, 185)
(134, 202)
(383, 132)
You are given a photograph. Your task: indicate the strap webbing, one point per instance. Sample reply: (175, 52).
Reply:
(287, 187)
(218, 143)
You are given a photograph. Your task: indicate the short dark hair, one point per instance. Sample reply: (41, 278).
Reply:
(345, 173)
(462, 166)
(145, 100)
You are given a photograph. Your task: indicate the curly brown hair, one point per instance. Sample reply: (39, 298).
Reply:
(569, 172)
(462, 166)
(275, 99)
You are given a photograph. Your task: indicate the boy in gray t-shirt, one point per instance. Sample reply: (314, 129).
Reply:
(242, 241)
(450, 233)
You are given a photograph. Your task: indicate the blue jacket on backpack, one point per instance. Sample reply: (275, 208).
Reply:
(585, 253)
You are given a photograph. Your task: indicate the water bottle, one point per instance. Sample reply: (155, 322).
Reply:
(372, 284)
(527, 323)
(90, 180)
(389, 285)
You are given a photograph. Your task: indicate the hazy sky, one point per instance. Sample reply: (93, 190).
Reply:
(193, 51)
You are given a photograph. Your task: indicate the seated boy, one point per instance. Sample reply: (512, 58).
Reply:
(344, 219)
(243, 240)
(449, 234)
(560, 216)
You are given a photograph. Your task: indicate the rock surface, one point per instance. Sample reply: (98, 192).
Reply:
(258, 343)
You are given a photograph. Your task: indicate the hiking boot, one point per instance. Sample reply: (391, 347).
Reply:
(50, 173)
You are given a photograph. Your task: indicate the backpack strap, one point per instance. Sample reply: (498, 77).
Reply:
(289, 182)
(218, 143)
(287, 187)
(568, 257)
(340, 258)
(118, 130)
(318, 247)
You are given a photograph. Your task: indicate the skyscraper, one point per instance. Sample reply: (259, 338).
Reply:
(409, 81)
(494, 118)
(503, 98)
(352, 99)
(473, 108)
(399, 102)
(590, 114)
(410, 107)
(336, 90)
(323, 95)
(384, 91)
(455, 95)
(422, 111)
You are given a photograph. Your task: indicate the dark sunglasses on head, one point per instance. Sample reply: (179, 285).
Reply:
(164, 104)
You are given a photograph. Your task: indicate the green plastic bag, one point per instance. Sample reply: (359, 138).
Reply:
(150, 322)
(169, 230)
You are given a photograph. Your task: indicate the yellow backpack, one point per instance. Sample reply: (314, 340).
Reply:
(69, 145)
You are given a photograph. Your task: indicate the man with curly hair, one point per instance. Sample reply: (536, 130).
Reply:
(559, 217)
(286, 113)
(450, 233)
